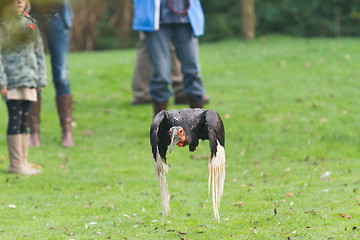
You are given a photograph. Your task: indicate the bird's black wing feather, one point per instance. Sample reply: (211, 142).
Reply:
(159, 134)
(215, 131)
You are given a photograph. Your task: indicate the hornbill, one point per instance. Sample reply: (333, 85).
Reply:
(186, 127)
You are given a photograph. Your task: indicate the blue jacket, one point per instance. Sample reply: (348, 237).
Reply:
(147, 16)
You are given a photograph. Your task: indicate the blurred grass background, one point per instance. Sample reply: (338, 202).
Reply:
(290, 107)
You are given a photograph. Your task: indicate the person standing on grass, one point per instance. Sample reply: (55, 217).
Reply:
(55, 20)
(142, 75)
(181, 22)
(22, 75)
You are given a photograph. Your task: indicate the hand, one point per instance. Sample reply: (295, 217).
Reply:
(3, 91)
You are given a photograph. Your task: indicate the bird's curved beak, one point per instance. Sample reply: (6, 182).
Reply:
(175, 139)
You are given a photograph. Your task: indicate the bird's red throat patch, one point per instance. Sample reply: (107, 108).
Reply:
(181, 135)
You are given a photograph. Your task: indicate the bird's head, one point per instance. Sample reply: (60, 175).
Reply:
(177, 136)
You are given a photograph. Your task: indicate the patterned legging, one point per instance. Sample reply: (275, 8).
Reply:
(18, 111)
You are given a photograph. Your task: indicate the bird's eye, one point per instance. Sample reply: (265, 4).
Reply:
(180, 132)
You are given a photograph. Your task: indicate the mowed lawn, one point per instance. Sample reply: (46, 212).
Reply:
(291, 110)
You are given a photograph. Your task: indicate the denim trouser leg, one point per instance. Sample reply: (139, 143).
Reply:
(187, 50)
(159, 55)
(58, 35)
(186, 45)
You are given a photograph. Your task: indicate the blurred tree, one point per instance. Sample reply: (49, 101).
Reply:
(106, 24)
(101, 24)
(86, 16)
(248, 19)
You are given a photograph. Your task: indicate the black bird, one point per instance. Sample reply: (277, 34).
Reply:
(185, 128)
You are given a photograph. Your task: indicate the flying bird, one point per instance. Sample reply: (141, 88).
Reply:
(185, 128)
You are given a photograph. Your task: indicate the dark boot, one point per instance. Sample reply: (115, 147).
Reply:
(64, 106)
(159, 106)
(194, 103)
(183, 99)
(34, 123)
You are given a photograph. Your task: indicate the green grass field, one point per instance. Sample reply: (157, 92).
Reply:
(290, 107)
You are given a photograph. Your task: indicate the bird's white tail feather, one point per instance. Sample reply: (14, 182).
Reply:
(216, 182)
(161, 168)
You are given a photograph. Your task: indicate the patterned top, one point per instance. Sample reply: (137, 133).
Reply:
(167, 16)
(22, 58)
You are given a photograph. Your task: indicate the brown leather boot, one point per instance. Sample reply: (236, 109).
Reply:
(64, 106)
(194, 103)
(158, 107)
(34, 123)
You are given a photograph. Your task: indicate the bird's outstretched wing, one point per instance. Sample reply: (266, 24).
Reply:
(159, 134)
(216, 166)
(215, 131)
(160, 140)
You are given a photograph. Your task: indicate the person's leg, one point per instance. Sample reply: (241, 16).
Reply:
(26, 106)
(58, 35)
(34, 123)
(64, 107)
(177, 78)
(159, 55)
(14, 139)
(141, 75)
(187, 50)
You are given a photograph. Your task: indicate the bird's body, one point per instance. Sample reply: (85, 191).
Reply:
(185, 128)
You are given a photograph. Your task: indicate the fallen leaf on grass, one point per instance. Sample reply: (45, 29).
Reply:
(323, 120)
(355, 228)
(324, 216)
(326, 174)
(182, 233)
(345, 216)
(199, 157)
(240, 204)
(36, 166)
(64, 166)
(307, 65)
(255, 231)
(12, 206)
(308, 226)
(289, 195)
(88, 132)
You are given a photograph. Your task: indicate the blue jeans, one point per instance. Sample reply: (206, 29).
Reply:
(58, 36)
(187, 50)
